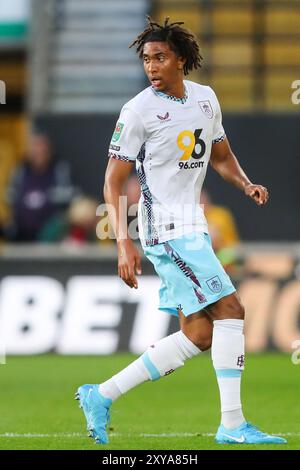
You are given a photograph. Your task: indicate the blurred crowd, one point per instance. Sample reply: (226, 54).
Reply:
(43, 203)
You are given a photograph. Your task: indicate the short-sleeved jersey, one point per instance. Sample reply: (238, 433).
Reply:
(170, 142)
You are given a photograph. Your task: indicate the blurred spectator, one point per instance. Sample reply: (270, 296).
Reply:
(222, 229)
(7, 159)
(40, 188)
(76, 226)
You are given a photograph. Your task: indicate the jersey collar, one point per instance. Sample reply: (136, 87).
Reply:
(171, 97)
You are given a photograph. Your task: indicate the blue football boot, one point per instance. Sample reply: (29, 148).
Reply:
(246, 434)
(96, 410)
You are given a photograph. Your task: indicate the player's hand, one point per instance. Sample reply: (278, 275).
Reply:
(258, 193)
(129, 262)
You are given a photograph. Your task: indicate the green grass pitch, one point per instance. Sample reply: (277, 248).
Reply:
(180, 411)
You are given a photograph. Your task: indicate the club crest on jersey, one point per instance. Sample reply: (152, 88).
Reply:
(214, 284)
(164, 118)
(206, 108)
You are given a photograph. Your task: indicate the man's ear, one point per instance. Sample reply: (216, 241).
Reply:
(181, 63)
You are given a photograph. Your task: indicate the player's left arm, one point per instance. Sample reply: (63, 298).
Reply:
(224, 161)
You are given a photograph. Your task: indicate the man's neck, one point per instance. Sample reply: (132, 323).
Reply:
(178, 91)
(182, 98)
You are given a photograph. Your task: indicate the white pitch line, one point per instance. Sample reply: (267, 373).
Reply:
(33, 435)
(209, 434)
(177, 434)
(73, 435)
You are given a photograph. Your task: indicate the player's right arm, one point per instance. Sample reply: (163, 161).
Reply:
(124, 147)
(129, 259)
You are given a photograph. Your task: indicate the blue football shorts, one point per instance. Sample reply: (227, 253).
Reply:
(191, 275)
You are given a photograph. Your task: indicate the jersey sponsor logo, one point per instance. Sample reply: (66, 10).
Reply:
(187, 166)
(117, 133)
(206, 108)
(192, 146)
(164, 118)
(214, 284)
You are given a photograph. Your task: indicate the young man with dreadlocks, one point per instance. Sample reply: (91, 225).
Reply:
(172, 130)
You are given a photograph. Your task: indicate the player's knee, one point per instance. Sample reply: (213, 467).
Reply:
(236, 311)
(202, 342)
(232, 309)
(239, 311)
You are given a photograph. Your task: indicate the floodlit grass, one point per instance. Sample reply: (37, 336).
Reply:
(180, 411)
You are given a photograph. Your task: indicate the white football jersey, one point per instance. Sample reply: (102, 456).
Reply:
(170, 141)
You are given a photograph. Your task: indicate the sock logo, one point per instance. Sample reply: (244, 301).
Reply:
(241, 361)
(169, 371)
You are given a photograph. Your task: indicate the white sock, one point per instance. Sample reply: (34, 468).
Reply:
(159, 360)
(228, 355)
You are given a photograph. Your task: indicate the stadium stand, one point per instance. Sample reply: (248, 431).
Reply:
(253, 45)
(78, 66)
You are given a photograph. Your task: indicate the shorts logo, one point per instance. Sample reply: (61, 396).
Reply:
(214, 284)
(117, 133)
(206, 108)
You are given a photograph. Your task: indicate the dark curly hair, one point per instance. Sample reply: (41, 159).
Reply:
(180, 40)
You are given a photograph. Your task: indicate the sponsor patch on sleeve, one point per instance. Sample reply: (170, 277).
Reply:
(118, 131)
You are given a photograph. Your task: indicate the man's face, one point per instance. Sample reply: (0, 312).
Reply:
(40, 152)
(162, 66)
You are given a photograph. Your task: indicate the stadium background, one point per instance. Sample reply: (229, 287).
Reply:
(67, 72)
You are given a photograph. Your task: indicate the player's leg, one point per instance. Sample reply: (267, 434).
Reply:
(159, 360)
(171, 352)
(164, 356)
(228, 355)
(198, 327)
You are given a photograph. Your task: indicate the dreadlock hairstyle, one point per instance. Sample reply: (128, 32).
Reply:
(181, 41)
